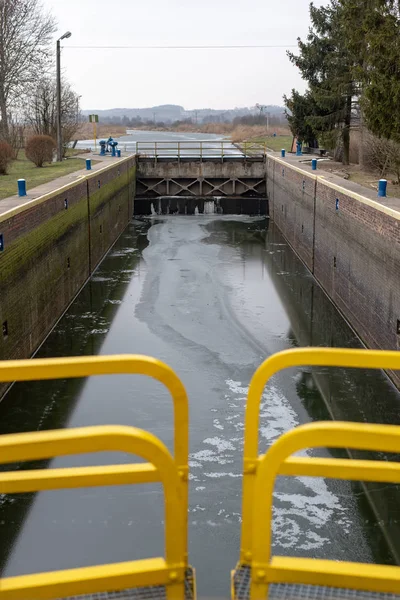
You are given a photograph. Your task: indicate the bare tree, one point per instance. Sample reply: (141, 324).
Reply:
(25, 36)
(41, 112)
(16, 134)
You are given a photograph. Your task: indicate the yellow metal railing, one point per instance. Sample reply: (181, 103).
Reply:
(172, 472)
(261, 471)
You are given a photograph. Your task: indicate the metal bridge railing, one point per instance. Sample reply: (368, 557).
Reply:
(208, 149)
(169, 572)
(257, 568)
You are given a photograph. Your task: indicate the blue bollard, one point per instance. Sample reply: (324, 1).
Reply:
(119, 153)
(298, 151)
(21, 187)
(283, 153)
(114, 151)
(88, 164)
(314, 164)
(382, 188)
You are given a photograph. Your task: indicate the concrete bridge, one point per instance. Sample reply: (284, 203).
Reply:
(186, 180)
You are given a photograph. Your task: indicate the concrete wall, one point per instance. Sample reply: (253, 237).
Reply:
(352, 247)
(51, 246)
(213, 169)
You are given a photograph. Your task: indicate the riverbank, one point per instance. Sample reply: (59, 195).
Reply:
(22, 168)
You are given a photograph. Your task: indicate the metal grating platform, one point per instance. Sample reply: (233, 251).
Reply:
(286, 591)
(145, 593)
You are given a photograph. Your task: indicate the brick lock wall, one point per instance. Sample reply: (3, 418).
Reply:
(355, 255)
(357, 261)
(110, 207)
(292, 198)
(44, 263)
(50, 249)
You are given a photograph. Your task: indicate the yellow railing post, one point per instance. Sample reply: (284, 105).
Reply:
(278, 461)
(66, 368)
(329, 357)
(49, 444)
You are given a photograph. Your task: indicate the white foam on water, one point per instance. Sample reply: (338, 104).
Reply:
(298, 521)
(221, 444)
(303, 516)
(218, 475)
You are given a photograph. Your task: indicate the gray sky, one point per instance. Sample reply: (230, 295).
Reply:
(192, 78)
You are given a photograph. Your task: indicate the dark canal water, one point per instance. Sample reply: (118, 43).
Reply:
(212, 297)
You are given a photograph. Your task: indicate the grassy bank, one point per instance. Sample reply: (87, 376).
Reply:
(24, 169)
(277, 143)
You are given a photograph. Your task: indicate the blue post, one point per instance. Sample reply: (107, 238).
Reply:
(382, 188)
(298, 151)
(119, 153)
(114, 151)
(88, 164)
(283, 153)
(314, 164)
(21, 187)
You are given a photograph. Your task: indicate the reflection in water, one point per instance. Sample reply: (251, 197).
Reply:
(211, 297)
(30, 406)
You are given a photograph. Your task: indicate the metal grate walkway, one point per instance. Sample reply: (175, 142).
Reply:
(144, 593)
(286, 591)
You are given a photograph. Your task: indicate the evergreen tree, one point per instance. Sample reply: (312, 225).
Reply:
(300, 108)
(327, 64)
(372, 31)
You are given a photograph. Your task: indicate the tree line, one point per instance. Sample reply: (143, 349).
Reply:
(351, 62)
(28, 99)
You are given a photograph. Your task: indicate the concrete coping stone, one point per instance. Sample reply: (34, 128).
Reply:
(12, 206)
(389, 206)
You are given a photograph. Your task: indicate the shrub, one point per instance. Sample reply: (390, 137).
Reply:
(382, 156)
(6, 156)
(39, 149)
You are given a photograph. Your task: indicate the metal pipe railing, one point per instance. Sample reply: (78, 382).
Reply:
(200, 149)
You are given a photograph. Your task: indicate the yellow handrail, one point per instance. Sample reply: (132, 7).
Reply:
(328, 357)
(40, 445)
(279, 461)
(66, 368)
(86, 366)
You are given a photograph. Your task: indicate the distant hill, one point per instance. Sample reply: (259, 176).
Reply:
(169, 113)
(166, 112)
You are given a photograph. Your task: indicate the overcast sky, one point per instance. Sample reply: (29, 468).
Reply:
(108, 78)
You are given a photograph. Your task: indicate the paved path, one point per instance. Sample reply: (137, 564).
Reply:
(41, 190)
(305, 165)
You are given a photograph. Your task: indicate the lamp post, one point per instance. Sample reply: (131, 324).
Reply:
(59, 132)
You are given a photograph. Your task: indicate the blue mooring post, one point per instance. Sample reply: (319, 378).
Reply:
(314, 164)
(88, 164)
(21, 187)
(382, 188)
(298, 151)
(119, 153)
(283, 153)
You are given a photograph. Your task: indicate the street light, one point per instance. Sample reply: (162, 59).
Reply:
(59, 132)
